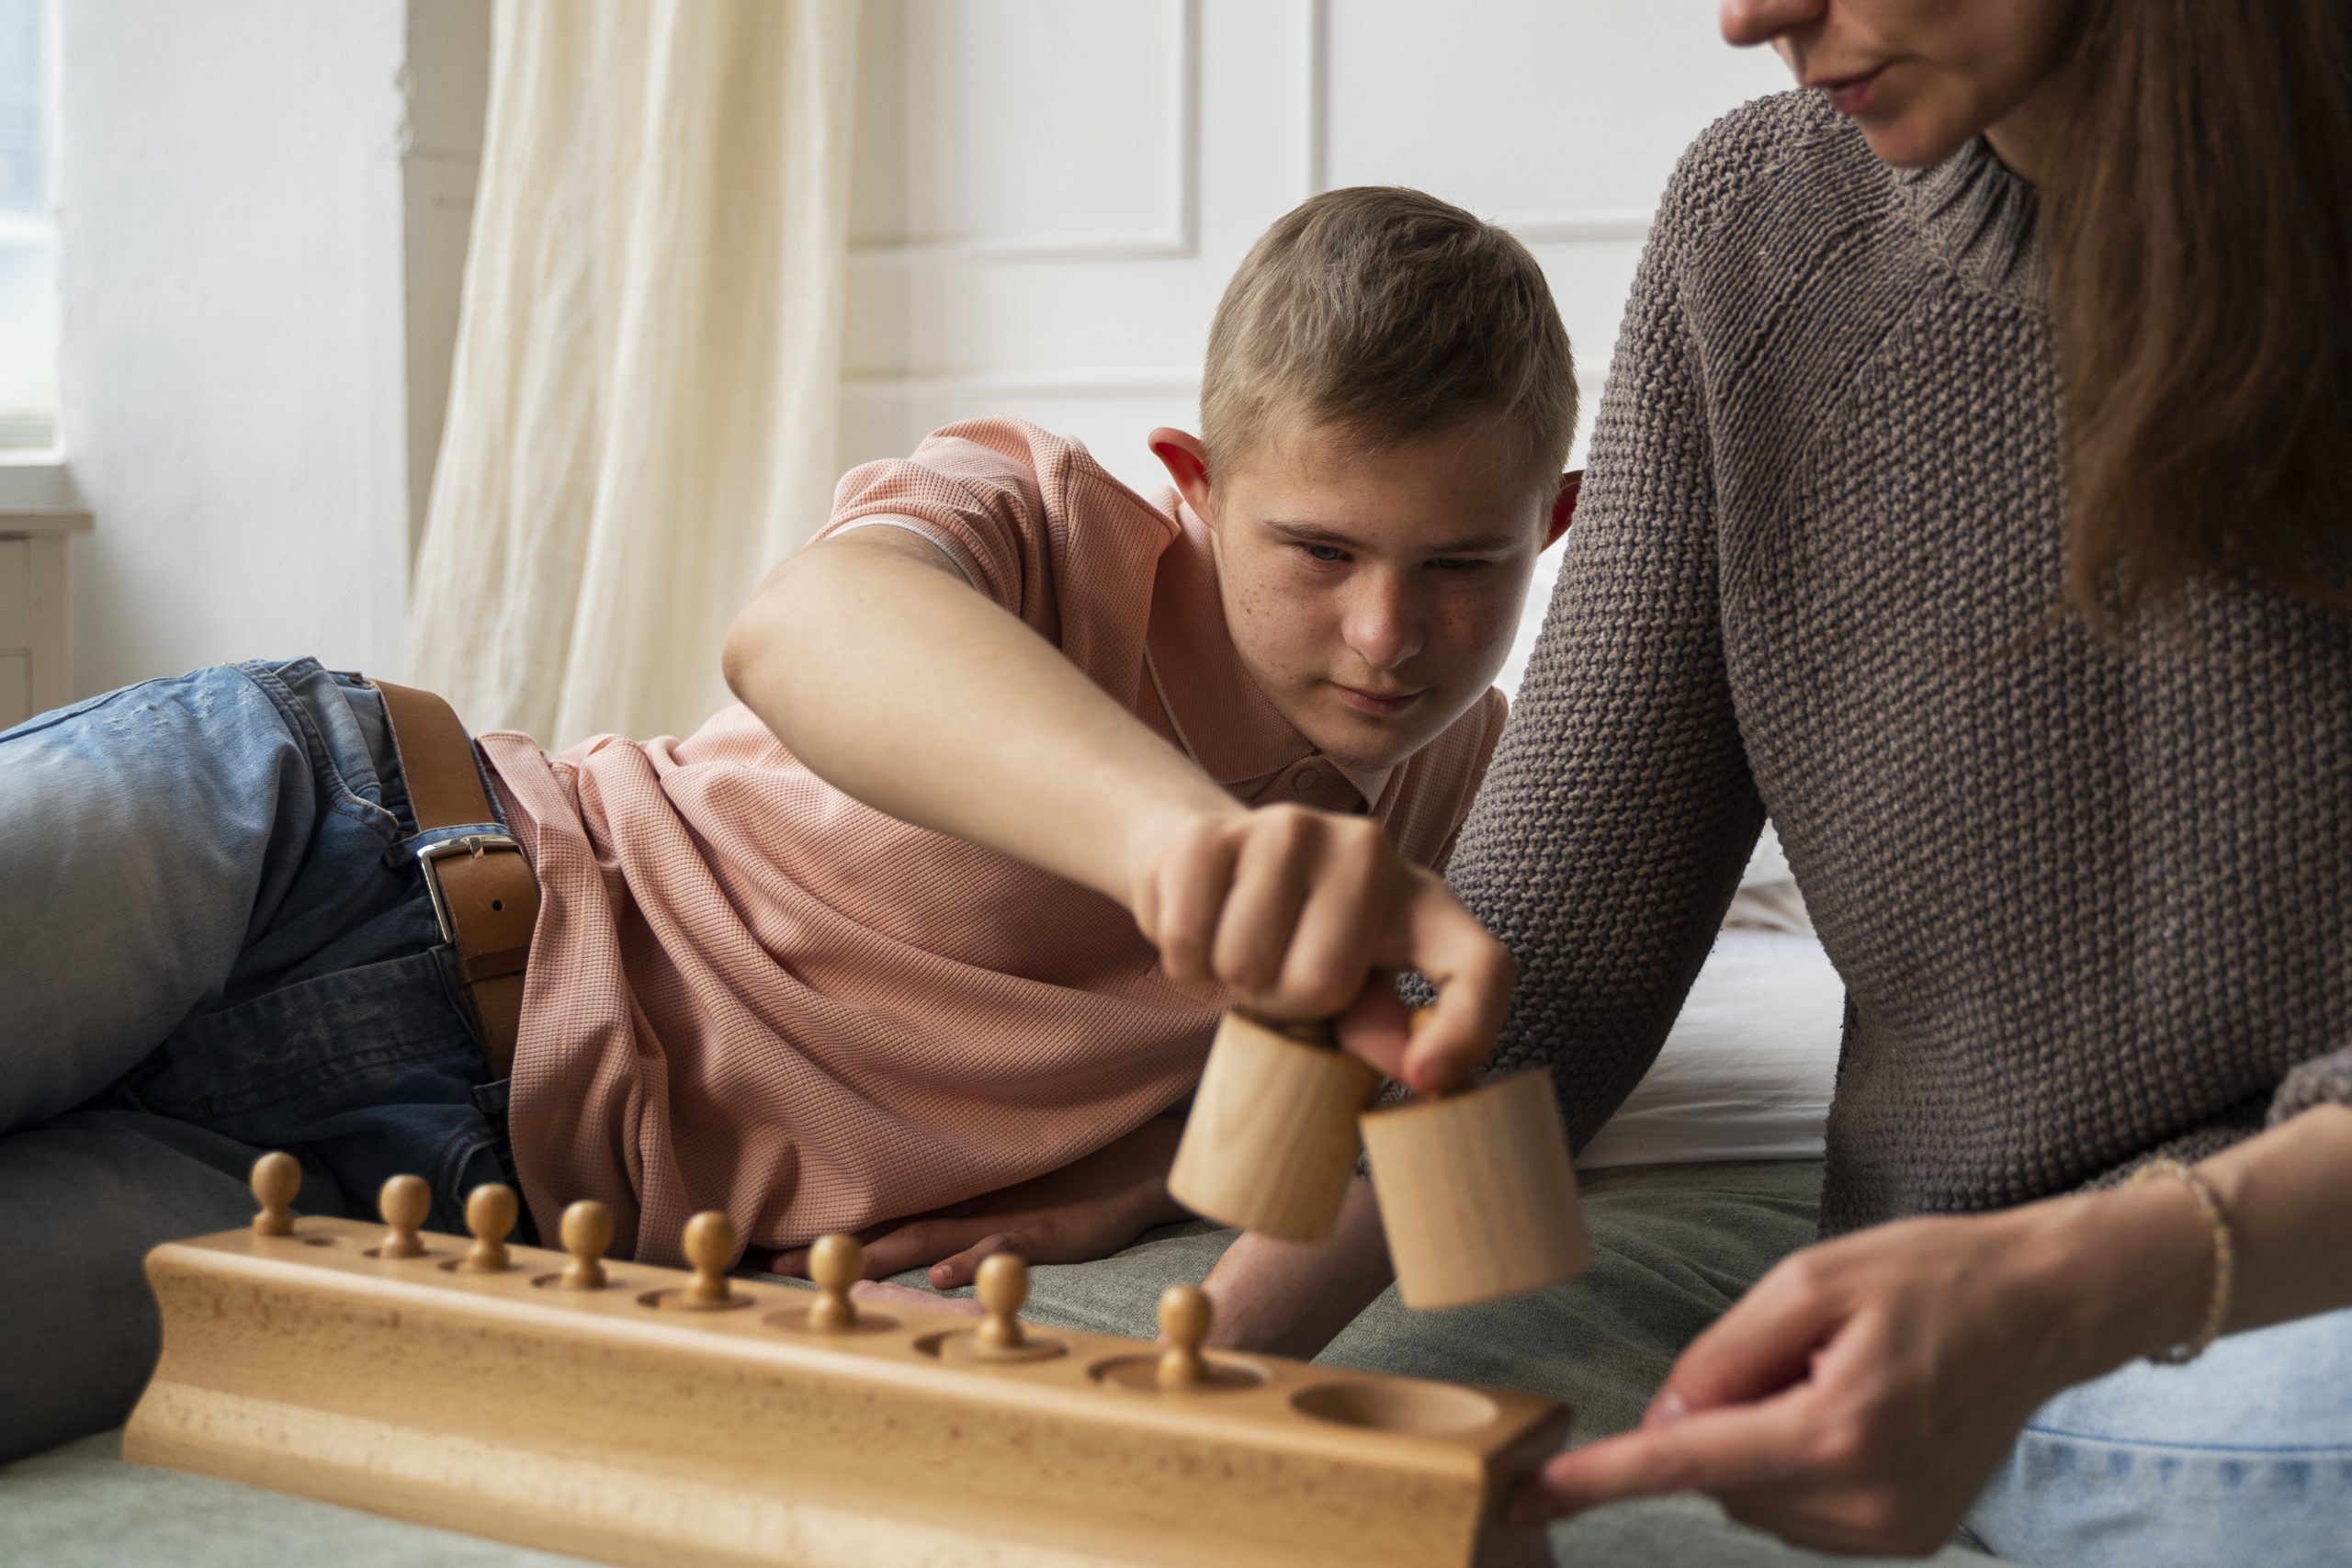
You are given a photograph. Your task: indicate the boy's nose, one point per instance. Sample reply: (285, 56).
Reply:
(1381, 630)
(1747, 22)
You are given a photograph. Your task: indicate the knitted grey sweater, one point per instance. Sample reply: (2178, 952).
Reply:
(2088, 903)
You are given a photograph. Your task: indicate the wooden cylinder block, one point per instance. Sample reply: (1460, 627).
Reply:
(1271, 1144)
(1476, 1194)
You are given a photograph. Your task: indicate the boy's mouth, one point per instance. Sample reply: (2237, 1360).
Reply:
(1382, 702)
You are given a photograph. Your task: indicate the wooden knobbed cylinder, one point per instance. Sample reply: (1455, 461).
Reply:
(1272, 1140)
(1476, 1194)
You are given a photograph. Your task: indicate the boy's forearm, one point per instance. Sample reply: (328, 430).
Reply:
(871, 658)
(1290, 1298)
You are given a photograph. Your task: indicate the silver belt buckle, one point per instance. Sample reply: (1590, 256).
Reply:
(469, 844)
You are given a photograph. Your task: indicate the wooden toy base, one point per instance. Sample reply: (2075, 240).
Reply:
(584, 1421)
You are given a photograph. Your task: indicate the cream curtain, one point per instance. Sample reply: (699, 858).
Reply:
(642, 412)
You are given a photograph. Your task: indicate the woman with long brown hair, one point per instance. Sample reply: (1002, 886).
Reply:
(1971, 494)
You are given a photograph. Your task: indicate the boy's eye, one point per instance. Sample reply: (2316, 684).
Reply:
(1329, 553)
(1449, 563)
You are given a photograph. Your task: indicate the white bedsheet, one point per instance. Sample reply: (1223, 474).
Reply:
(1747, 1072)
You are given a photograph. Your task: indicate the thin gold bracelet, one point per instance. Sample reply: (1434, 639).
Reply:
(2225, 1258)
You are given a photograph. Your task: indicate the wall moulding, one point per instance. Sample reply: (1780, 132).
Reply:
(1041, 385)
(1599, 226)
(1315, 95)
(1573, 227)
(1178, 238)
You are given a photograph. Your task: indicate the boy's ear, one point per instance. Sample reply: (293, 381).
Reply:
(1187, 462)
(1563, 506)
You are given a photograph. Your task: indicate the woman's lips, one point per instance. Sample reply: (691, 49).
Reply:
(1850, 94)
(1374, 702)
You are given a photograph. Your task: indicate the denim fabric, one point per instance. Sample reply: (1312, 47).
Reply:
(211, 944)
(2243, 1455)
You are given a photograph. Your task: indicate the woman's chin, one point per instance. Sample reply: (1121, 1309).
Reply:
(1911, 140)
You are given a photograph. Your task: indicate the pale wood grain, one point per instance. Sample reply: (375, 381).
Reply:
(1271, 1143)
(1478, 1196)
(586, 1421)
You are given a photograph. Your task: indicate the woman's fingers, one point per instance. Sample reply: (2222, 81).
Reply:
(1763, 1345)
(1748, 1447)
(1856, 1399)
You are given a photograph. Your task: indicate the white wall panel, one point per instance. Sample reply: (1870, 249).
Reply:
(1052, 317)
(233, 359)
(1560, 118)
(1028, 126)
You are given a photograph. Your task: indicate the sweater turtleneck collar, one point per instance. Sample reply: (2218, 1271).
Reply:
(1982, 217)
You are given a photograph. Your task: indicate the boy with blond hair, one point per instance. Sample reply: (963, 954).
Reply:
(925, 938)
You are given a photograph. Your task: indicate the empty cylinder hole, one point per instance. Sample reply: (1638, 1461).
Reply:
(1396, 1407)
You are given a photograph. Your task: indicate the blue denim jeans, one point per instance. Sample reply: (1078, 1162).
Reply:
(2242, 1456)
(213, 942)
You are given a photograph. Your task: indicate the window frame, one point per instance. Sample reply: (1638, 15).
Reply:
(35, 478)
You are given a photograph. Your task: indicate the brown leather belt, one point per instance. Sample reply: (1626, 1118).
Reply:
(483, 892)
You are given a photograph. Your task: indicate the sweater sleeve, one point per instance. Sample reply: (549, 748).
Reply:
(1619, 809)
(2324, 1079)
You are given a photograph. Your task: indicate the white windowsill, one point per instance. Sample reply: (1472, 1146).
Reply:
(38, 496)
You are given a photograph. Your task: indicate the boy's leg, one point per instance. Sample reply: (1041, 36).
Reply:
(82, 1200)
(157, 846)
(201, 932)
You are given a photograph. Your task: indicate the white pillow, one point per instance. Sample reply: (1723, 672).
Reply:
(1745, 1073)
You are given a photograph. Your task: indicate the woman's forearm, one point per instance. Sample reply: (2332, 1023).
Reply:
(869, 655)
(2287, 1193)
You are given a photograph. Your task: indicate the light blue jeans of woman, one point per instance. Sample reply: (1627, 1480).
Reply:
(213, 941)
(2241, 1458)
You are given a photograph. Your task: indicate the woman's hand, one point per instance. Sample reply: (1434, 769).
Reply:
(1085, 1210)
(1294, 911)
(1860, 1395)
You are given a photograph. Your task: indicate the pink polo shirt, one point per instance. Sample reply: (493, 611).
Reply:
(749, 991)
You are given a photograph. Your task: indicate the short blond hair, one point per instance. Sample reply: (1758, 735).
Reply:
(1384, 314)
